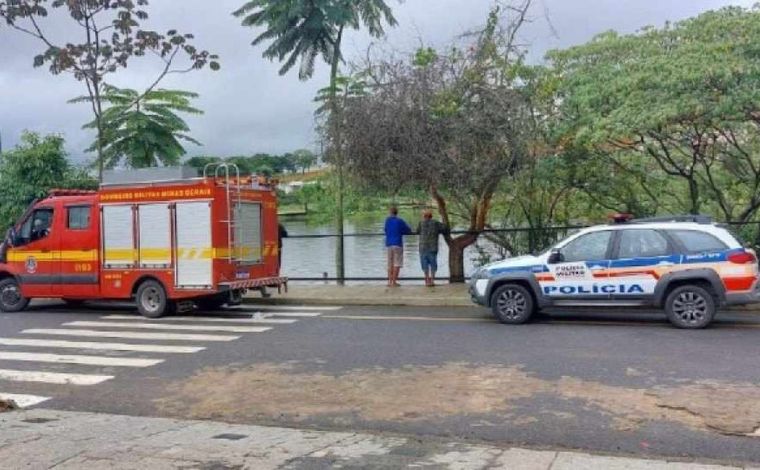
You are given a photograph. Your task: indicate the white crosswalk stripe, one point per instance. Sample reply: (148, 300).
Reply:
(220, 319)
(155, 348)
(88, 341)
(168, 326)
(52, 377)
(23, 401)
(287, 314)
(77, 359)
(129, 335)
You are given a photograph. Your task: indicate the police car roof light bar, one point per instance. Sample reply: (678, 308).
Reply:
(699, 219)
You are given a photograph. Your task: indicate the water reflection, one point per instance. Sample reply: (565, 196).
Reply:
(365, 256)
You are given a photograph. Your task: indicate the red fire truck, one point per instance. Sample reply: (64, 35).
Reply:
(166, 244)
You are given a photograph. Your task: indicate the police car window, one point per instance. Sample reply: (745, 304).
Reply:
(698, 242)
(78, 218)
(592, 246)
(642, 244)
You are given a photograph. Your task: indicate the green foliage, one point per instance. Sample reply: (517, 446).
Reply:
(303, 31)
(345, 88)
(111, 37)
(30, 170)
(143, 130)
(677, 109)
(425, 56)
(258, 164)
(304, 159)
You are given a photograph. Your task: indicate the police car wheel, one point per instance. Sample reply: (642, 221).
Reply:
(151, 300)
(690, 307)
(512, 304)
(11, 299)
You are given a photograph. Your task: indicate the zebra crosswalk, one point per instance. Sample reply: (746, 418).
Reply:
(97, 349)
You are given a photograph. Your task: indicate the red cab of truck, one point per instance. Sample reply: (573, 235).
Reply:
(165, 243)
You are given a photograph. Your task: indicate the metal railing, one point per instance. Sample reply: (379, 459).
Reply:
(502, 243)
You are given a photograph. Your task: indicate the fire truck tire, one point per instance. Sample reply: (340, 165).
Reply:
(152, 301)
(11, 299)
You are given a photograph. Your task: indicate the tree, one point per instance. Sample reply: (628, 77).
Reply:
(304, 159)
(143, 131)
(454, 124)
(681, 102)
(30, 170)
(200, 162)
(306, 30)
(112, 35)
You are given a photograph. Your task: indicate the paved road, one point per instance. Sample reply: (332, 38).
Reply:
(619, 383)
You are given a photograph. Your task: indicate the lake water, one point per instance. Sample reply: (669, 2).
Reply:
(364, 256)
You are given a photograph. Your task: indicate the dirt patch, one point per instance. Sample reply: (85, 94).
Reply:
(272, 391)
(7, 405)
(728, 408)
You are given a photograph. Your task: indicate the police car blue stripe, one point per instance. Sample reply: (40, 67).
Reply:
(715, 257)
(538, 268)
(640, 262)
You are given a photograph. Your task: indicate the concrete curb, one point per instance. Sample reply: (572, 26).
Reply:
(397, 302)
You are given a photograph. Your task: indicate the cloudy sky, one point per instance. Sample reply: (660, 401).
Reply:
(250, 108)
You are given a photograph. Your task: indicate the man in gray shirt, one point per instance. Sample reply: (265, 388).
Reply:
(429, 230)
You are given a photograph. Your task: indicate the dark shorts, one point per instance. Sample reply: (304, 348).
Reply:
(429, 261)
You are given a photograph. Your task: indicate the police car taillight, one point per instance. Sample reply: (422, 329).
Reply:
(742, 257)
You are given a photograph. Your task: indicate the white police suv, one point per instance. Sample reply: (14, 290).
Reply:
(685, 264)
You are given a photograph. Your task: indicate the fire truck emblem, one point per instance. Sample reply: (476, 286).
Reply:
(31, 265)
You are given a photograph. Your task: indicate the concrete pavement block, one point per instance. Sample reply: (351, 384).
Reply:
(91, 463)
(524, 459)
(578, 461)
(359, 446)
(463, 457)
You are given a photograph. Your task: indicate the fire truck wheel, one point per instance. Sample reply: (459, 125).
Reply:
(11, 299)
(151, 300)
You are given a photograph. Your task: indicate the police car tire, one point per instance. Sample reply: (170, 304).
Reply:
(17, 306)
(518, 298)
(705, 300)
(157, 293)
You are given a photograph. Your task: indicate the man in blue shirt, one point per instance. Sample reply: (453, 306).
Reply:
(395, 229)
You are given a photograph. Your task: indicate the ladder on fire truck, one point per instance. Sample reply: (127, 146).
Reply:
(224, 171)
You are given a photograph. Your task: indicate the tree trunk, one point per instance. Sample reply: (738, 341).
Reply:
(456, 256)
(335, 130)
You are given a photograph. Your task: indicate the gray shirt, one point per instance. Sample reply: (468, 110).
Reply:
(429, 230)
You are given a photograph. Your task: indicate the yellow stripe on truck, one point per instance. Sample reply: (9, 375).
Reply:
(145, 254)
(20, 256)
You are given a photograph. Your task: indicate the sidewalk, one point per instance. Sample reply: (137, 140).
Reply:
(47, 439)
(443, 295)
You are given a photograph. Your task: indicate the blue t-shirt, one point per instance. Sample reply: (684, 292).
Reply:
(395, 229)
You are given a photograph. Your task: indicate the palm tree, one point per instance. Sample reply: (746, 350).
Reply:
(143, 131)
(304, 30)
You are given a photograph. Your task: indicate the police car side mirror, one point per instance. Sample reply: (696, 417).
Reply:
(555, 256)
